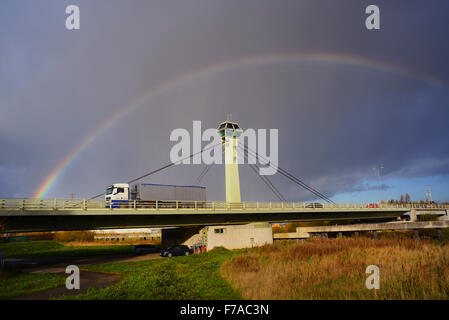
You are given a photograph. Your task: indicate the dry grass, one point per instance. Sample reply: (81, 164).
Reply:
(78, 236)
(110, 243)
(335, 269)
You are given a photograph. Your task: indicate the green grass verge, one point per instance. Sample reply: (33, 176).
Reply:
(38, 249)
(14, 283)
(194, 277)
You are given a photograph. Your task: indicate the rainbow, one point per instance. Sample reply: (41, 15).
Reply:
(169, 85)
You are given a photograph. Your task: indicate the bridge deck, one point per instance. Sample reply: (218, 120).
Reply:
(23, 215)
(81, 206)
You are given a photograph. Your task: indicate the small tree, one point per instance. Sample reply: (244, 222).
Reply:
(402, 199)
(407, 198)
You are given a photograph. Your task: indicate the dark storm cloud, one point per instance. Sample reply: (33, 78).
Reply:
(336, 122)
(366, 187)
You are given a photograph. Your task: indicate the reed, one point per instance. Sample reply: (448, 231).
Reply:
(335, 269)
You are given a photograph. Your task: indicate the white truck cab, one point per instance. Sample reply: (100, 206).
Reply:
(117, 191)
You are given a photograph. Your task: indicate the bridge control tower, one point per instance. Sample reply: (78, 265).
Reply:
(230, 133)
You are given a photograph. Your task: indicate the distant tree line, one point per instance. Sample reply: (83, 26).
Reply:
(406, 199)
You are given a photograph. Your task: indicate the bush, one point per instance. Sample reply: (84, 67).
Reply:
(79, 236)
(38, 236)
(428, 217)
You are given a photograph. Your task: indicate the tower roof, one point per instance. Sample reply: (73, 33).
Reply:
(229, 129)
(229, 125)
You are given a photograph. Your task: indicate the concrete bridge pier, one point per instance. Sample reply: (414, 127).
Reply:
(227, 236)
(413, 215)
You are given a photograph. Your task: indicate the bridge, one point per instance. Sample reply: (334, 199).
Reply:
(32, 215)
(27, 215)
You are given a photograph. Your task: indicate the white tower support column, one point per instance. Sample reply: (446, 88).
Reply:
(232, 171)
(230, 134)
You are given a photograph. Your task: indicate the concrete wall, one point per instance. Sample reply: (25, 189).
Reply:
(240, 236)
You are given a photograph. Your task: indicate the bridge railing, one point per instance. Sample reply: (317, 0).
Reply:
(82, 204)
(46, 204)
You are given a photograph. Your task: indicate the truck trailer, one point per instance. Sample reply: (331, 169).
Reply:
(150, 194)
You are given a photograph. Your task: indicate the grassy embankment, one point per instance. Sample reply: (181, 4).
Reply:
(315, 269)
(335, 269)
(15, 283)
(193, 277)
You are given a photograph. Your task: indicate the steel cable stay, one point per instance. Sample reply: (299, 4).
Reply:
(203, 173)
(294, 178)
(249, 151)
(265, 179)
(290, 176)
(163, 168)
(268, 183)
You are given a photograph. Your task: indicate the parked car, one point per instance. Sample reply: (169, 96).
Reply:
(315, 205)
(373, 205)
(179, 250)
(145, 248)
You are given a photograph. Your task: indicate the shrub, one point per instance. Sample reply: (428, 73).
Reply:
(79, 236)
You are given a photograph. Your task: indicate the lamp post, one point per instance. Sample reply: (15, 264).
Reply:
(379, 176)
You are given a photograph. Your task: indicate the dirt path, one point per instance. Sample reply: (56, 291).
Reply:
(88, 279)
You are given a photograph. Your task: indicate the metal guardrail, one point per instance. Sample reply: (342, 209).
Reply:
(82, 204)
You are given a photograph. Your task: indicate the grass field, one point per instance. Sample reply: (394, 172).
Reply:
(13, 283)
(335, 269)
(315, 269)
(178, 278)
(37, 249)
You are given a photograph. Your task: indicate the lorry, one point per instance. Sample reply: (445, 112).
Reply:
(150, 195)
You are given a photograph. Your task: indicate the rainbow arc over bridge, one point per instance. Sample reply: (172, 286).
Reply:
(214, 69)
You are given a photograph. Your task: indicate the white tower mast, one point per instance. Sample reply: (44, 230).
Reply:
(230, 133)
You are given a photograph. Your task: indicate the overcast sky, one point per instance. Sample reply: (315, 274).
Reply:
(336, 120)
